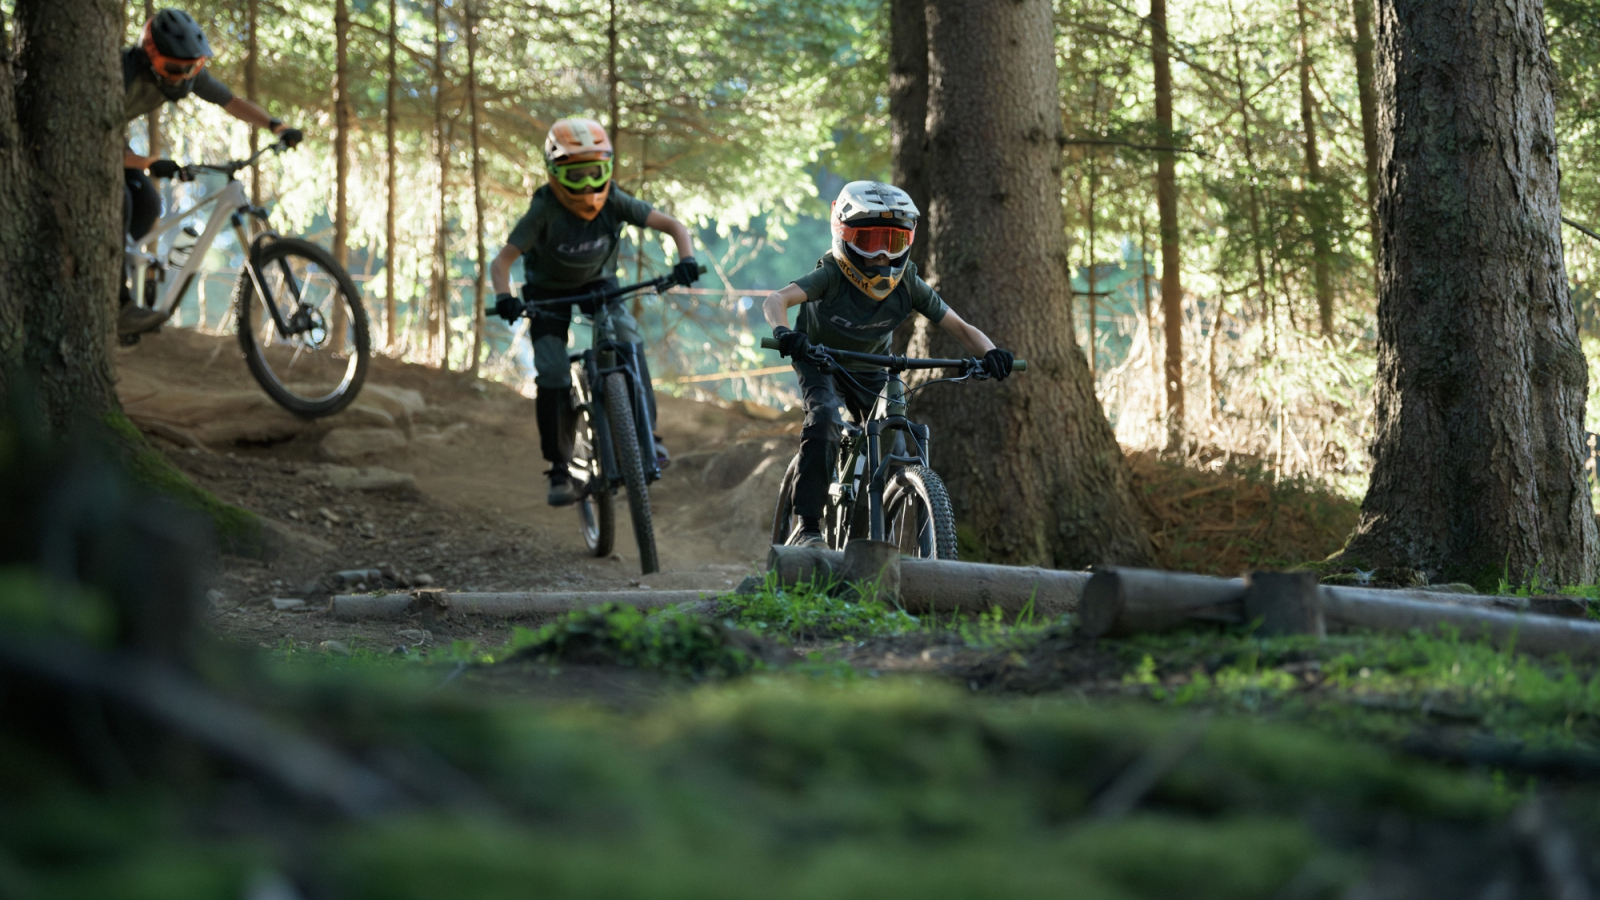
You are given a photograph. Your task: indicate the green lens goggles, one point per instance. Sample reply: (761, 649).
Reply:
(586, 175)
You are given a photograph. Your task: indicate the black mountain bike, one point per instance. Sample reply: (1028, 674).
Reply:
(895, 496)
(615, 441)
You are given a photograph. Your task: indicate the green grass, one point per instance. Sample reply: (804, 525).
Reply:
(669, 640)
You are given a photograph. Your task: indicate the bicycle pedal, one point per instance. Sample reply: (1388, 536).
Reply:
(128, 340)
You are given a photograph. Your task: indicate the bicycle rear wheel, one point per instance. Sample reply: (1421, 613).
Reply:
(597, 512)
(625, 446)
(783, 518)
(917, 514)
(304, 333)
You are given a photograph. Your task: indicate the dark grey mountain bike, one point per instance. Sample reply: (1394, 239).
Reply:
(895, 496)
(615, 442)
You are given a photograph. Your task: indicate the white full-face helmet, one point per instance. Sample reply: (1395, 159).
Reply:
(873, 226)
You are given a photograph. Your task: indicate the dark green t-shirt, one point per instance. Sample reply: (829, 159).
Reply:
(837, 314)
(141, 93)
(560, 250)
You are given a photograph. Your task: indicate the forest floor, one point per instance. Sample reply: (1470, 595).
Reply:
(803, 745)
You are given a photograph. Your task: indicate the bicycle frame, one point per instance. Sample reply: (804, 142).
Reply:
(888, 417)
(599, 361)
(230, 204)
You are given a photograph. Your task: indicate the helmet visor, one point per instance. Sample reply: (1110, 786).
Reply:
(590, 175)
(877, 240)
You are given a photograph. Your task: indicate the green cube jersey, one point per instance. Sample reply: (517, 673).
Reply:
(837, 314)
(561, 251)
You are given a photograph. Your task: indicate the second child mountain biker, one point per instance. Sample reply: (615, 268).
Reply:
(568, 242)
(168, 65)
(853, 300)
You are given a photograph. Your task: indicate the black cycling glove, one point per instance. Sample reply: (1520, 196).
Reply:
(507, 307)
(290, 137)
(791, 343)
(163, 168)
(686, 272)
(997, 363)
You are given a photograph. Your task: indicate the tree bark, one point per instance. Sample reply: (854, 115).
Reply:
(1361, 12)
(1322, 277)
(1167, 213)
(152, 121)
(61, 134)
(341, 154)
(1033, 467)
(908, 124)
(252, 9)
(439, 314)
(390, 307)
(477, 188)
(1477, 464)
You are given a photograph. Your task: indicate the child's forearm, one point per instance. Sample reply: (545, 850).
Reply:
(775, 311)
(666, 224)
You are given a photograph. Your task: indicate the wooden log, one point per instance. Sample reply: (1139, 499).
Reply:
(1284, 603)
(875, 563)
(440, 604)
(1578, 638)
(1119, 602)
(943, 586)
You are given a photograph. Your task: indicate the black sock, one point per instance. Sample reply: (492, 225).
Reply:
(810, 525)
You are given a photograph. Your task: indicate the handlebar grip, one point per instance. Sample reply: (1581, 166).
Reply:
(1019, 365)
(769, 343)
(702, 268)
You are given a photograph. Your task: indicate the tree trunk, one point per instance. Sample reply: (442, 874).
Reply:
(1361, 12)
(439, 314)
(1167, 213)
(1477, 464)
(1316, 220)
(341, 155)
(908, 124)
(252, 10)
(1033, 467)
(152, 121)
(477, 188)
(61, 131)
(391, 309)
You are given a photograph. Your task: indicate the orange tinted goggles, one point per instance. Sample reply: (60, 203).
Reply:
(872, 240)
(178, 69)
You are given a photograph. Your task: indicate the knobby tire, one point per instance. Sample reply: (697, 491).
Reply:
(916, 496)
(625, 446)
(597, 511)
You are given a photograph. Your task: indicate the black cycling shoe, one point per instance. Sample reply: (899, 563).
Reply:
(133, 319)
(562, 491)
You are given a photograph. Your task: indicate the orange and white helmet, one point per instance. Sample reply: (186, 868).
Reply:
(577, 154)
(873, 226)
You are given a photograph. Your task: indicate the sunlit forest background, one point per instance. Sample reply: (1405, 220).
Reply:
(745, 117)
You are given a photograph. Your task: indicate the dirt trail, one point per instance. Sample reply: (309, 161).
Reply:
(436, 477)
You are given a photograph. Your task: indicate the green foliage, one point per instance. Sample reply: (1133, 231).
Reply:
(669, 640)
(31, 603)
(816, 611)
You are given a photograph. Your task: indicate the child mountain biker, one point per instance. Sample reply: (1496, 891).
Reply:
(853, 300)
(568, 242)
(168, 65)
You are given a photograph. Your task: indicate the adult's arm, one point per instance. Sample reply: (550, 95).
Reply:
(250, 113)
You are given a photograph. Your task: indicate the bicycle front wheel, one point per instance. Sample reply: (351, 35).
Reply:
(302, 327)
(917, 515)
(625, 446)
(596, 510)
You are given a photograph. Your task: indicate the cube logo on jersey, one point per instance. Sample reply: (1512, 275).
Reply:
(584, 249)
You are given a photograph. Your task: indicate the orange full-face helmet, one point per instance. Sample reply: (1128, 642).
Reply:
(577, 155)
(175, 45)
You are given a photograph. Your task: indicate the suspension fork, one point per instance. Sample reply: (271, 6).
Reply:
(243, 236)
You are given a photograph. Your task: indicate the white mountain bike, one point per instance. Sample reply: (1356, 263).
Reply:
(301, 324)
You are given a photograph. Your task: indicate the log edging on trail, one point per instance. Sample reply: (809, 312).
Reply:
(1120, 602)
(505, 605)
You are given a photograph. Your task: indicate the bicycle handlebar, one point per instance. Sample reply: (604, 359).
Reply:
(602, 297)
(895, 363)
(231, 167)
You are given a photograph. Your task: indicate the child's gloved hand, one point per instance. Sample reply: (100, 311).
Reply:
(507, 307)
(686, 272)
(791, 343)
(997, 363)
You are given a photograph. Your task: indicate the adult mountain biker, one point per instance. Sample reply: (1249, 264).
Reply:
(168, 64)
(853, 300)
(568, 242)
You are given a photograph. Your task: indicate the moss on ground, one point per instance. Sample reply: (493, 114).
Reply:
(239, 531)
